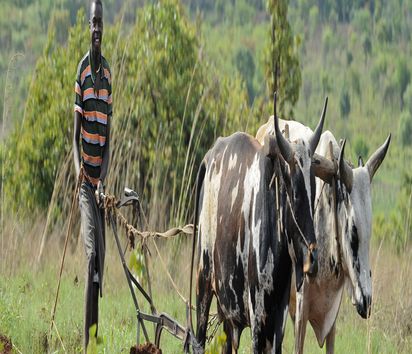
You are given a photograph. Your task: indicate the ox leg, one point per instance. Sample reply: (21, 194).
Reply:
(330, 340)
(203, 301)
(280, 320)
(300, 320)
(232, 338)
(227, 348)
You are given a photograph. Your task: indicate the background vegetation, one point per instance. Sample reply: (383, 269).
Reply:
(184, 73)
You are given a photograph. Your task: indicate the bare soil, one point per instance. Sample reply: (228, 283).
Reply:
(147, 348)
(5, 345)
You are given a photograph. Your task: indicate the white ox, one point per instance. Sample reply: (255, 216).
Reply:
(343, 250)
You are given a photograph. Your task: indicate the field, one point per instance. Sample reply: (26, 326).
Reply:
(27, 291)
(208, 73)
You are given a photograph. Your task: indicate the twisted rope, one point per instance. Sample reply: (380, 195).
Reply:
(132, 233)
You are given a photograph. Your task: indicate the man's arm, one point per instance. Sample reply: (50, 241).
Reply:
(106, 154)
(76, 141)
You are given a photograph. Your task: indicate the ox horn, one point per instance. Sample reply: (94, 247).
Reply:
(376, 159)
(284, 146)
(344, 170)
(314, 140)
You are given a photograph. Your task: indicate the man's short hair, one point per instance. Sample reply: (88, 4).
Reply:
(97, 2)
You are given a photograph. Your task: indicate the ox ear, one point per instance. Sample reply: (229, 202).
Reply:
(376, 159)
(270, 147)
(314, 139)
(345, 172)
(323, 168)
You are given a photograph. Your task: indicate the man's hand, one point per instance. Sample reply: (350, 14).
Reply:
(99, 192)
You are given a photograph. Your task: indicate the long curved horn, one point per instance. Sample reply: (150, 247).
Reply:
(345, 171)
(314, 140)
(284, 146)
(376, 159)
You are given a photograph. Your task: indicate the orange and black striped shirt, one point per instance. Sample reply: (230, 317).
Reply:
(95, 107)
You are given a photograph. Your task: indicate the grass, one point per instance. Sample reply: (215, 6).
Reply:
(27, 291)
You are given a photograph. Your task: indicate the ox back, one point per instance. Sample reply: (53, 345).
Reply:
(242, 259)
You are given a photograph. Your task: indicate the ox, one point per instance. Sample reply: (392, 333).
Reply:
(343, 220)
(243, 256)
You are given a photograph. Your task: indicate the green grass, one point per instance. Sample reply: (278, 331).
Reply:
(27, 293)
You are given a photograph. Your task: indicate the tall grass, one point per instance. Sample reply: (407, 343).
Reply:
(27, 294)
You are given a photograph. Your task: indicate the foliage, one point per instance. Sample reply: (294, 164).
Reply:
(281, 58)
(405, 128)
(246, 66)
(344, 103)
(36, 149)
(354, 51)
(168, 109)
(361, 148)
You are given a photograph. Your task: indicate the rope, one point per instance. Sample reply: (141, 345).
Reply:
(274, 177)
(320, 195)
(215, 322)
(296, 223)
(168, 274)
(132, 233)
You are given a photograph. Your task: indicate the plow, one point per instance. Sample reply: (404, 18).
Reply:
(161, 320)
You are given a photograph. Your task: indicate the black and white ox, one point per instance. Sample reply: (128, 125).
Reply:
(343, 222)
(243, 259)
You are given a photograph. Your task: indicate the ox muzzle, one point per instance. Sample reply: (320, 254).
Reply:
(364, 307)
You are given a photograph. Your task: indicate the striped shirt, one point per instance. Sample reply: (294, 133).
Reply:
(94, 103)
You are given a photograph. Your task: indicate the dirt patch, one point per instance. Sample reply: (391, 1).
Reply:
(5, 345)
(147, 348)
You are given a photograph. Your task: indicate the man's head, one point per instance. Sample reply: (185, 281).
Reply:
(96, 24)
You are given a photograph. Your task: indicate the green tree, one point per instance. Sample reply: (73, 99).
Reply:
(344, 103)
(402, 77)
(367, 47)
(169, 106)
(281, 57)
(360, 147)
(245, 64)
(405, 128)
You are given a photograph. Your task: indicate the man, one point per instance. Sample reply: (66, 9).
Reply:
(92, 115)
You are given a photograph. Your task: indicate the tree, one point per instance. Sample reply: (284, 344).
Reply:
(367, 47)
(344, 103)
(245, 64)
(402, 77)
(281, 57)
(169, 105)
(405, 128)
(361, 148)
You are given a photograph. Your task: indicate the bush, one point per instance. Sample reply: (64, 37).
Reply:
(169, 106)
(344, 103)
(361, 148)
(405, 128)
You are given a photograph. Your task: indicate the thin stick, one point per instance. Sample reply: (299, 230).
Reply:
(58, 336)
(17, 349)
(65, 247)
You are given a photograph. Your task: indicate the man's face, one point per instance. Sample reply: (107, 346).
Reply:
(96, 26)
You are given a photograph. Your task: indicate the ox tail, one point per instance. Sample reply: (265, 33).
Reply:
(199, 183)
